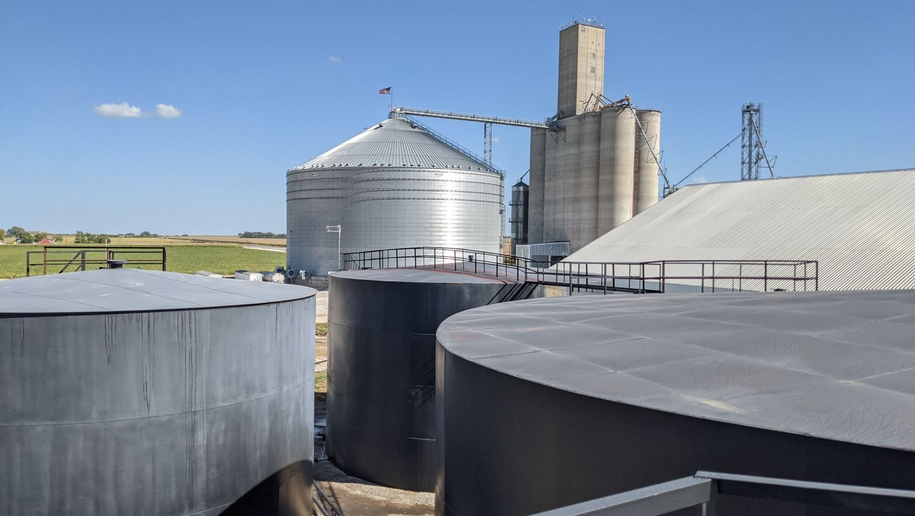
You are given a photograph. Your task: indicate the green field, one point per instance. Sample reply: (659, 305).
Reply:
(221, 259)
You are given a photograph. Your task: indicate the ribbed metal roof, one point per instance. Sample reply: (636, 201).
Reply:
(860, 226)
(395, 142)
(133, 290)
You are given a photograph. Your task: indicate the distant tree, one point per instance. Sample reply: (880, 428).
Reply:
(102, 239)
(41, 235)
(14, 232)
(24, 237)
(146, 234)
(58, 238)
(130, 235)
(2, 233)
(79, 238)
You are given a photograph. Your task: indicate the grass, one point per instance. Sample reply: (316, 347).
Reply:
(321, 329)
(187, 258)
(321, 381)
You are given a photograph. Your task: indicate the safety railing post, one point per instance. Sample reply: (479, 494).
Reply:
(570, 281)
(765, 275)
(713, 276)
(603, 276)
(663, 277)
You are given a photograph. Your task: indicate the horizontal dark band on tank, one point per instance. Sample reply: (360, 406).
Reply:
(359, 190)
(362, 170)
(406, 179)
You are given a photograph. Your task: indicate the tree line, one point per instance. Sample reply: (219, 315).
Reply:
(88, 238)
(82, 237)
(261, 234)
(24, 237)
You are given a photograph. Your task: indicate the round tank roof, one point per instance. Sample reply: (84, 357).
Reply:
(134, 290)
(395, 142)
(833, 365)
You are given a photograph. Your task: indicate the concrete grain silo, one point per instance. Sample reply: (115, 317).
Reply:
(589, 180)
(592, 169)
(538, 176)
(617, 168)
(147, 392)
(393, 185)
(646, 165)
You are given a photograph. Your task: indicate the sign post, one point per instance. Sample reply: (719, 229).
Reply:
(338, 229)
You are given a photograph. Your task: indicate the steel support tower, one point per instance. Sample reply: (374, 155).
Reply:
(752, 147)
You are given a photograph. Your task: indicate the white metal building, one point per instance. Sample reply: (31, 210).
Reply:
(859, 226)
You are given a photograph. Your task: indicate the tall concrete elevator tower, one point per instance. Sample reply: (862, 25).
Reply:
(581, 67)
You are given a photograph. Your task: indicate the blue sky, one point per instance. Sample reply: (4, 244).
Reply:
(264, 86)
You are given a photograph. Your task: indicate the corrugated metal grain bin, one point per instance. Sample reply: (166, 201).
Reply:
(393, 185)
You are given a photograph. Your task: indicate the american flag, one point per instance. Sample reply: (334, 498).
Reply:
(385, 91)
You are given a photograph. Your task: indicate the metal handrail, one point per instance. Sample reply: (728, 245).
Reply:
(703, 489)
(80, 261)
(638, 277)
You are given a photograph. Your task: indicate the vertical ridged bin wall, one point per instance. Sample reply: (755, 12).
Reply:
(394, 185)
(647, 167)
(148, 393)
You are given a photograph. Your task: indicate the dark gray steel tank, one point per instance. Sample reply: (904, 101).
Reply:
(381, 369)
(519, 213)
(545, 403)
(147, 393)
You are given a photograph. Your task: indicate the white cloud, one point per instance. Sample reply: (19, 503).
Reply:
(124, 110)
(335, 59)
(700, 180)
(167, 111)
(495, 139)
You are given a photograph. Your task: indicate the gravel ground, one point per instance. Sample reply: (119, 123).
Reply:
(321, 307)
